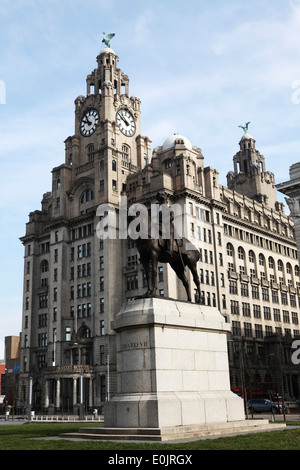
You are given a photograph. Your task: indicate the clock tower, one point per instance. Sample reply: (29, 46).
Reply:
(107, 130)
(75, 282)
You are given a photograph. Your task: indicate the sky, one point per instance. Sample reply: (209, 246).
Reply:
(201, 68)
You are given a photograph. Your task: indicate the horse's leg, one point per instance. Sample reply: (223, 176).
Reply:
(154, 273)
(146, 266)
(193, 269)
(181, 275)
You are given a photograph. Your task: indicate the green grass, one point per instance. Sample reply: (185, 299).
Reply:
(24, 437)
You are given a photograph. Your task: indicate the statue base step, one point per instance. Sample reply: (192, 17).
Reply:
(175, 433)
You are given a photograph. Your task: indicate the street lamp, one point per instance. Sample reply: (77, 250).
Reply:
(30, 399)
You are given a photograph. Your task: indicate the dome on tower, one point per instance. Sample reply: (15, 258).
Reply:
(247, 136)
(107, 50)
(176, 139)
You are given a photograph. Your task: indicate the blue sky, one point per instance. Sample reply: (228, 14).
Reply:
(201, 68)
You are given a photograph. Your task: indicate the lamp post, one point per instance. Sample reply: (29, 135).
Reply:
(81, 404)
(30, 399)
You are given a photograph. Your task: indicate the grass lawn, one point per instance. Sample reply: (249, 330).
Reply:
(23, 437)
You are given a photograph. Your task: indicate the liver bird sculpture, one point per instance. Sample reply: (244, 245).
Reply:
(245, 127)
(107, 38)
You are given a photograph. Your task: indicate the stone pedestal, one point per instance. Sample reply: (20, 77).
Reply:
(172, 367)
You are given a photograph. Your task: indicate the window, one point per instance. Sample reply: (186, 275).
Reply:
(125, 152)
(258, 331)
(244, 290)
(90, 152)
(261, 259)
(246, 309)
(101, 185)
(267, 313)
(234, 307)
(256, 311)
(251, 256)
(275, 297)
(233, 287)
(255, 292)
(114, 165)
(286, 316)
(68, 333)
(248, 330)
(236, 328)
(229, 248)
(241, 253)
(284, 299)
(102, 333)
(265, 294)
(44, 266)
(276, 314)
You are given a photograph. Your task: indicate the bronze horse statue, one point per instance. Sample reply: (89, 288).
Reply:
(153, 251)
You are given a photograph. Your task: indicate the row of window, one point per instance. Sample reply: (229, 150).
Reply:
(259, 241)
(259, 332)
(262, 312)
(263, 293)
(251, 258)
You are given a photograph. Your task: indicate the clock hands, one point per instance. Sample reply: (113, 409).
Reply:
(124, 119)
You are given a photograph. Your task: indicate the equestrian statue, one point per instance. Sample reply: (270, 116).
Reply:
(179, 253)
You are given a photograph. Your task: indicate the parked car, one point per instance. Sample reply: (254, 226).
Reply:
(260, 405)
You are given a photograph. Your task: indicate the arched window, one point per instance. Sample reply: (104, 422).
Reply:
(90, 152)
(87, 196)
(288, 268)
(271, 262)
(241, 253)
(125, 152)
(251, 256)
(44, 266)
(261, 260)
(229, 248)
(85, 332)
(280, 265)
(297, 270)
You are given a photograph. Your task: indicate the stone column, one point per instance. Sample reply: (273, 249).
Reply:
(90, 392)
(46, 393)
(74, 390)
(57, 393)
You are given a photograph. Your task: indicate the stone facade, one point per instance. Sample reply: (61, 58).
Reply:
(291, 189)
(75, 283)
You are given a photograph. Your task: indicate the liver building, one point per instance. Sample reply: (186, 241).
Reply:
(75, 282)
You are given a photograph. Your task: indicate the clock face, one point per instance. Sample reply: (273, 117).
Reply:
(89, 122)
(126, 122)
